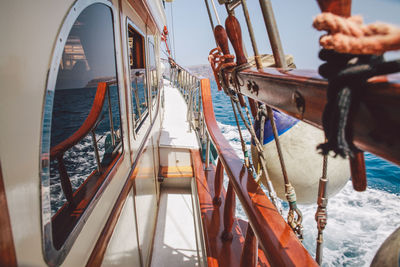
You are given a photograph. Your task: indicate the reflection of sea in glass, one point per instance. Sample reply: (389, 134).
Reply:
(153, 73)
(80, 159)
(88, 59)
(139, 93)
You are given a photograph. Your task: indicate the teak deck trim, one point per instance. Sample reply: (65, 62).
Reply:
(176, 171)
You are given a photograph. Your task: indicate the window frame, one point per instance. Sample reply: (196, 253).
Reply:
(53, 256)
(137, 123)
(151, 40)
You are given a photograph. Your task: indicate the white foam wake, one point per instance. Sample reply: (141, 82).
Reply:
(358, 223)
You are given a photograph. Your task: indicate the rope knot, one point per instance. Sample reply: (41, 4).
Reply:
(347, 75)
(218, 64)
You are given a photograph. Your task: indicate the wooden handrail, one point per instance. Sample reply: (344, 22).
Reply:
(302, 94)
(276, 238)
(87, 125)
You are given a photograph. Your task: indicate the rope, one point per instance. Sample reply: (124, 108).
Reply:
(260, 149)
(242, 142)
(347, 75)
(295, 217)
(353, 54)
(173, 31)
(350, 35)
(217, 62)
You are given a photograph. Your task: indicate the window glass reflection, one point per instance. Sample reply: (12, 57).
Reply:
(137, 74)
(78, 166)
(153, 73)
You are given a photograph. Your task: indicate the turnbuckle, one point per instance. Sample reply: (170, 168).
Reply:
(293, 221)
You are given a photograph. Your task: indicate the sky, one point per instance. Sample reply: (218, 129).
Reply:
(193, 37)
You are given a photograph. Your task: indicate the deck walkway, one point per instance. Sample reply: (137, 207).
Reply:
(175, 130)
(175, 240)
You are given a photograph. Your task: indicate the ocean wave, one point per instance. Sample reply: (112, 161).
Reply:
(358, 222)
(80, 162)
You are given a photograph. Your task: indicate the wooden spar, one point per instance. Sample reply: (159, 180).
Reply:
(302, 94)
(357, 162)
(275, 237)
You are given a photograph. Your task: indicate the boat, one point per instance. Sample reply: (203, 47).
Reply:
(111, 155)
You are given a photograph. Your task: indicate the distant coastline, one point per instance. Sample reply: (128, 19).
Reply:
(203, 70)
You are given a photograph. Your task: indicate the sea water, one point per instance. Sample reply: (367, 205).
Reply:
(358, 222)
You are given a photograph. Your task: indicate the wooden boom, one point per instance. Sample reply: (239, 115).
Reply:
(302, 94)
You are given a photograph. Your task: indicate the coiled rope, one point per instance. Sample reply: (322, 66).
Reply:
(351, 36)
(353, 54)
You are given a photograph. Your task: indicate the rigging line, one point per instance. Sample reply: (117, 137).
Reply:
(209, 15)
(252, 37)
(244, 148)
(173, 30)
(215, 11)
(289, 189)
(250, 128)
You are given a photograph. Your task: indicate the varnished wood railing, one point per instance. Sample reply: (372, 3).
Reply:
(87, 125)
(90, 123)
(275, 237)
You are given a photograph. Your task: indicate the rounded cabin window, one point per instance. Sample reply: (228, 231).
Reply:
(81, 137)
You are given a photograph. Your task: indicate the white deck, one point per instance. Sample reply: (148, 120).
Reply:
(175, 130)
(175, 237)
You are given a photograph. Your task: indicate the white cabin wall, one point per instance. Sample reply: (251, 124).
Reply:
(26, 49)
(145, 194)
(86, 240)
(123, 248)
(29, 35)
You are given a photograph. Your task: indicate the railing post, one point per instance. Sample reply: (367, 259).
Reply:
(229, 213)
(137, 98)
(110, 115)
(190, 111)
(65, 182)
(219, 177)
(186, 87)
(96, 150)
(250, 249)
(207, 151)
